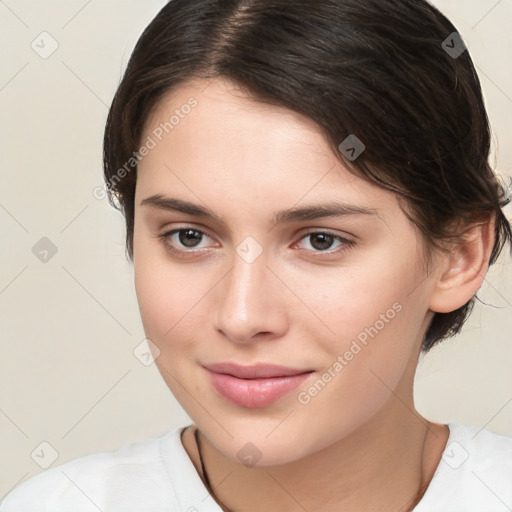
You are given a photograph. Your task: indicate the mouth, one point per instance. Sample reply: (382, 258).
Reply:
(254, 386)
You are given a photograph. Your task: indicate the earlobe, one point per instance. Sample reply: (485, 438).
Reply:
(463, 269)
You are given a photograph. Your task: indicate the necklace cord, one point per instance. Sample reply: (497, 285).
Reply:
(205, 474)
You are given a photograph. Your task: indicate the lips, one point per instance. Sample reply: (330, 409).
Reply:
(254, 386)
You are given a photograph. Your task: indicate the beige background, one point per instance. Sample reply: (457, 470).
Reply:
(68, 374)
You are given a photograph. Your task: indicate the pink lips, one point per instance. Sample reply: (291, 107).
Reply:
(254, 386)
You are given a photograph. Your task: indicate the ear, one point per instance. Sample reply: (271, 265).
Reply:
(463, 270)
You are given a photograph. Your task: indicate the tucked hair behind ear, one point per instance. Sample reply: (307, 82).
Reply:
(376, 69)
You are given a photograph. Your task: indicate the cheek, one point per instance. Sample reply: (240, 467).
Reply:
(367, 299)
(166, 299)
(172, 297)
(162, 292)
(375, 323)
(363, 365)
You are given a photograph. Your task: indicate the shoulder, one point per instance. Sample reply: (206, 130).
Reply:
(480, 451)
(123, 479)
(474, 474)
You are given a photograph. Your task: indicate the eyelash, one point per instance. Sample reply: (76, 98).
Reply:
(164, 240)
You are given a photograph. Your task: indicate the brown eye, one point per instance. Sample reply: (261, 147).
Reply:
(321, 242)
(183, 241)
(189, 237)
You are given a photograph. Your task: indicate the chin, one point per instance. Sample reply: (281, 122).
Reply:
(258, 443)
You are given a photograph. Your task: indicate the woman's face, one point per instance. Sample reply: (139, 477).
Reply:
(341, 301)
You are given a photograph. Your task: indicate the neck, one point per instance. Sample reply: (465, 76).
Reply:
(385, 470)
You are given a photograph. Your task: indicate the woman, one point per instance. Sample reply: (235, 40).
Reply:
(309, 205)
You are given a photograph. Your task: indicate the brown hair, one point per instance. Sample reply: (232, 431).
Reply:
(395, 74)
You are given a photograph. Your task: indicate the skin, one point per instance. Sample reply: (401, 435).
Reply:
(359, 443)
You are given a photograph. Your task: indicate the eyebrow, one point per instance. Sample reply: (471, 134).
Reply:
(308, 212)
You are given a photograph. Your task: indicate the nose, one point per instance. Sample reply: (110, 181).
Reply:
(251, 302)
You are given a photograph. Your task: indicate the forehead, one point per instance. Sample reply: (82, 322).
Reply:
(224, 116)
(229, 143)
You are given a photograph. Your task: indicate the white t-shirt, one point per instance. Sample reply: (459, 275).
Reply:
(156, 475)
